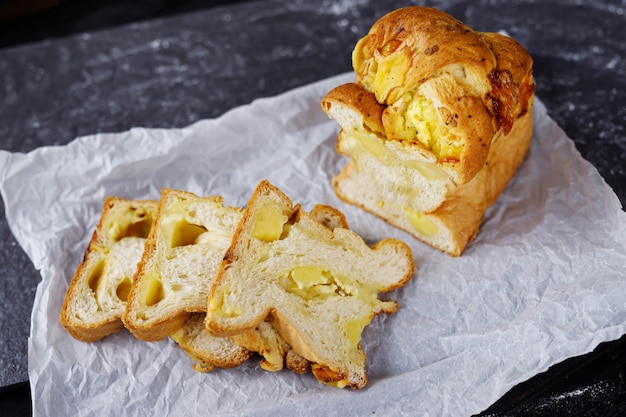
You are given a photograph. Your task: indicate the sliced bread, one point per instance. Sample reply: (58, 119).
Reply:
(96, 298)
(318, 287)
(182, 254)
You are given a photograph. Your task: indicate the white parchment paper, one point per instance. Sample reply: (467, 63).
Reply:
(543, 281)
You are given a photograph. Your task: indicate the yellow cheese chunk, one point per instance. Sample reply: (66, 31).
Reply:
(390, 74)
(373, 144)
(128, 222)
(184, 234)
(268, 223)
(151, 289)
(221, 307)
(369, 144)
(305, 277)
(95, 275)
(421, 223)
(338, 384)
(354, 328)
(123, 289)
(310, 283)
(273, 360)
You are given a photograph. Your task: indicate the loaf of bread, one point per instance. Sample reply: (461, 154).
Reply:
(318, 287)
(435, 106)
(96, 297)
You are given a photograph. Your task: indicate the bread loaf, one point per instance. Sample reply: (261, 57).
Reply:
(435, 107)
(457, 220)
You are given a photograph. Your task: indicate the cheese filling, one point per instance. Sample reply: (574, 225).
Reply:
(421, 223)
(268, 223)
(415, 118)
(126, 221)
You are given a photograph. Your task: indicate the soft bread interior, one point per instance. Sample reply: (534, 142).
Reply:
(319, 288)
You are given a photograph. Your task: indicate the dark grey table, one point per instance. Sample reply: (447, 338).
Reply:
(78, 73)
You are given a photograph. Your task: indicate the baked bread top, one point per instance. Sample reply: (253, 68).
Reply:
(445, 87)
(319, 288)
(412, 44)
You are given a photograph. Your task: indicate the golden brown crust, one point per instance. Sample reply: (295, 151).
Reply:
(511, 81)
(421, 41)
(296, 363)
(219, 352)
(356, 97)
(329, 217)
(463, 211)
(90, 333)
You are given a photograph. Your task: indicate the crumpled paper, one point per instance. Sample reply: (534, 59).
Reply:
(543, 281)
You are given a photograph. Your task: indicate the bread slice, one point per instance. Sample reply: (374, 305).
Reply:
(382, 185)
(96, 298)
(446, 91)
(263, 338)
(182, 254)
(318, 288)
(208, 351)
